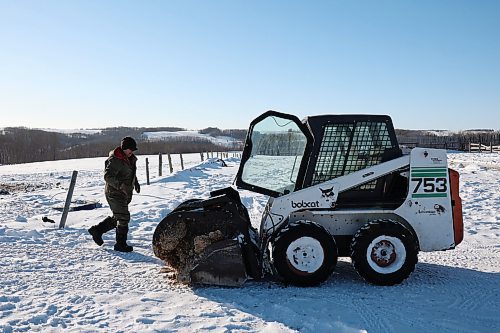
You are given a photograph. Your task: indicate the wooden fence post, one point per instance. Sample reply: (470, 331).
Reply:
(182, 162)
(159, 164)
(170, 163)
(201, 154)
(68, 200)
(147, 171)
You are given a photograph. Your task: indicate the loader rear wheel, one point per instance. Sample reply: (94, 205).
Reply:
(384, 252)
(304, 254)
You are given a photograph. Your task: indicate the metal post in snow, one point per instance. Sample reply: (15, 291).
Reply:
(62, 223)
(170, 163)
(182, 162)
(159, 164)
(147, 171)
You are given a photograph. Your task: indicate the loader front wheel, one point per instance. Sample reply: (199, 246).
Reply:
(304, 254)
(384, 252)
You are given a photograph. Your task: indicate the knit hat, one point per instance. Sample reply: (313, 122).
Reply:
(128, 143)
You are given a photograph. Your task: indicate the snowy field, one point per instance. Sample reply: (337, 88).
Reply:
(190, 135)
(55, 280)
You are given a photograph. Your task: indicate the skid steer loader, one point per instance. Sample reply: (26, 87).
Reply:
(338, 186)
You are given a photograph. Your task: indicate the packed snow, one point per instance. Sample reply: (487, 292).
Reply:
(55, 279)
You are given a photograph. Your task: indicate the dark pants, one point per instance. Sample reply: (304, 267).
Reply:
(119, 207)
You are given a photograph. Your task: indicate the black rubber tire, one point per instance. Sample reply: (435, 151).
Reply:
(295, 234)
(384, 252)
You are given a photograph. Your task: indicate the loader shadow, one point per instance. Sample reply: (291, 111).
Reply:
(347, 299)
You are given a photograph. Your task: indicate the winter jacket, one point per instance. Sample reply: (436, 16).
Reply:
(120, 175)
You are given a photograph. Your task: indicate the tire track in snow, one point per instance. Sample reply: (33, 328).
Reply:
(468, 301)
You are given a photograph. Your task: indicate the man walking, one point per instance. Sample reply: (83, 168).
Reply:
(121, 180)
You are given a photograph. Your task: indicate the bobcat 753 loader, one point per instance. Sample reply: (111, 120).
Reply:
(338, 186)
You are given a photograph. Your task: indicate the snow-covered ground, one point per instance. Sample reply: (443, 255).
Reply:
(55, 280)
(226, 141)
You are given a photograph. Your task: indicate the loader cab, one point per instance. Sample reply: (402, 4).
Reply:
(348, 143)
(283, 154)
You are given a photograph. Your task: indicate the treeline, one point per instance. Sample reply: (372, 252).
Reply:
(445, 140)
(237, 134)
(18, 145)
(23, 145)
(278, 144)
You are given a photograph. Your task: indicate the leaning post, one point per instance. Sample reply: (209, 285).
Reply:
(68, 200)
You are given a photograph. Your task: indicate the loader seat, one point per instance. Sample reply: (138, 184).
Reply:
(391, 154)
(395, 186)
(389, 191)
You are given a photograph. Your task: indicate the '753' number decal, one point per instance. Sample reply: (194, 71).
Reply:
(430, 187)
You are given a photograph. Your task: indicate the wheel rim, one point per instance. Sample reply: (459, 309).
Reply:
(305, 255)
(386, 254)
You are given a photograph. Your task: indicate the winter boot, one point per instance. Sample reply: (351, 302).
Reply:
(98, 230)
(121, 239)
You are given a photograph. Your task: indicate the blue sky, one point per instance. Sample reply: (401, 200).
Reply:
(194, 64)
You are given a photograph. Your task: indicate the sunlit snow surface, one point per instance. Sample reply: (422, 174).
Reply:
(55, 280)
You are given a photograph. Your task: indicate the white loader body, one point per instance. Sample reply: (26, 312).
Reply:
(427, 210)
(339, 186)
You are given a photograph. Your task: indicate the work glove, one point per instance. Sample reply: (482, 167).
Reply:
(137, 187)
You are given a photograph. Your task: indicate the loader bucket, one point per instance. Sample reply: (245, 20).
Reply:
(209, 241)
(222, 265)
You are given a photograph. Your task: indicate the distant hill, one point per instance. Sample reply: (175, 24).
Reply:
(21, 145)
